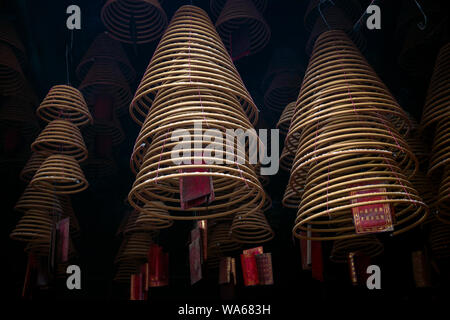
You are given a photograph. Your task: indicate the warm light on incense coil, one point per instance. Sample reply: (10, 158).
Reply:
(62, 137)
(216, 6)
(220, 243)
(106, 48)
(151, 218)
(190, 54)
(134, 21)
(369, 245)
(9, 35)
(34, 226)
(32, 166)
(61, 174)
(437, 103)
(251, 228)
(64, 102)
(440, 240)
(39, 199)
(237, 15)
(327, 204)
(440, 151)
(283, 88)
(104, 78)
(285, 119)
(12, 80)
(16, 113)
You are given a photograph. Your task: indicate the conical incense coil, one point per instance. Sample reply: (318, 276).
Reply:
(39, 199)
(153, 217)
(369, 245)
(125, 269)
(220, 243)
(437, 103)
(251, 228)
(134, 21)
(428, 191)
(286, 159)
(440, 151)
(12, 80)
(291, 198)
(32, 166)
(62, 137)
(9, 35)
(16, 113)
(216, 6)
(64, 102)
(60, 173)
(129, 226)
(105, 47)
(34, 226)
(336, 182)
(238, 14)
(105, 78)
(42, 249)
(135, 247)
(283, 88)
(440, 240)
(443, 200)
(190, 53)
(285, 119)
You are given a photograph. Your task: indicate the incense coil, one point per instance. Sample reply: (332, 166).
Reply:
(105, 128)
(12, 80)
(291, 198)
(32, 166)
(440, 151)
(443, 201)
(34, 226)
(427, 190)
(216, 6)
(64, 102)
(437, 102)
(43, 200)
(105, 47)
(440, 240)
(369, 245)
(220, 243)
(152, 218)
(9, 35)
(283, 89)
(251, 228)
(60, 173)
(237, 14)
(134, 247)
(62, 137)
(327, 201)
(129, 226)
(124, 271)
(134, 21)
(285, 119)
(16, 113)
(286, 159)
(104, 78)
(190, 53)
(99, 168)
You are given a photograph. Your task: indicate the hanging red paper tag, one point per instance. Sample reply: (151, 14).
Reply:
(103, 108)
(227, 270)
(256, 250)
(195, 263)
(195, 190)
(136, 284)
(317, 260)
(62, 229)
(203, 225)
(358, 263)
(265, 272)
(158, 267)
(30, 277)
(249, 270)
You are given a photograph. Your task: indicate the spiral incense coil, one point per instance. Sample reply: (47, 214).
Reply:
(105, 78)
(251, 228)
(443, 201)
(135, 247)
(437, 103)
(106, 48)
(9, 35)
(285, 119)
(60, 173)
(286, 159)
(291, 198)
(12, 80)
(369, 245)
(334, 184)
(125, 269)
(112, 129)
(62, 137)
(191, 54)
(440, 240)
(16, 113)
(38, 199)
(238, 14)
(152, 218)
(220, 243)
(34, 226)
(264, 179)
(216, 6)
(134, 21)
(283, 88)
(418, 147)
(440, 151)
(32, 166)
(426, 187)
(64, 102)
(129, 226)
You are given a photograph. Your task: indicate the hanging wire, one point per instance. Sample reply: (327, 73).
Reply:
(423, 24)
(321, 14)
(69, 57)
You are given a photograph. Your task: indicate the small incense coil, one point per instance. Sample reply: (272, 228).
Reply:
(12, 80)
(283, 88)
(220, 243)
(264, 179)
(437, 103)
(418, 147)
(16, 113)
(440, 151)
(64, 102)
(237, 14)
(34, 226)
(286, 159)
(62, 137)
(369, 245)
(440, 240)
(9, 35)
(291, 199)
(112, 129)
(443, 201)
(134, 21)
(60, 173)
(191, 53)
(251, 228)
(105, 47)
(285, 119)
(104, 78)
(125, 269)
(129, 226)
(39, 199)
(153, 217)
(32, 166)
(135, 247)
(327, 201)
(216, 6)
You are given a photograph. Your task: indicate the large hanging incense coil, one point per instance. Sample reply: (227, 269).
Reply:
(369, 245)
(105, 78)
(190, 54)
(16, 113)
(240, 15)
(64, 102)
(216, 6)
(134, 21)
(251, 228)
(135, 247)
(9, 35)
(285, 119)
(440, 240)
(39, 199)
(106, 48)
(220, 243)
(437, 103)
(60, 173)
(283, 88)
(62, 137)
(34, 226)
(440, 152)
(334, 184)
(12, 80)
(32, 166)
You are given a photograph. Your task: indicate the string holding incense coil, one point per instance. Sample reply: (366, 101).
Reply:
(251, 228)
(440, 240)
(220, 243)
(285, 119)
(62, 137)
(104, 78)
(243, 15)
(283, 88)
(190, 54)
(104, 47)
(134, 21)
(12, 80)
(43, 200)
(216, 6)
(64, 102)
(369, 245)
(60, 173)
(9, 35)
(34, 226)
(32, 166)
(16, 113)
